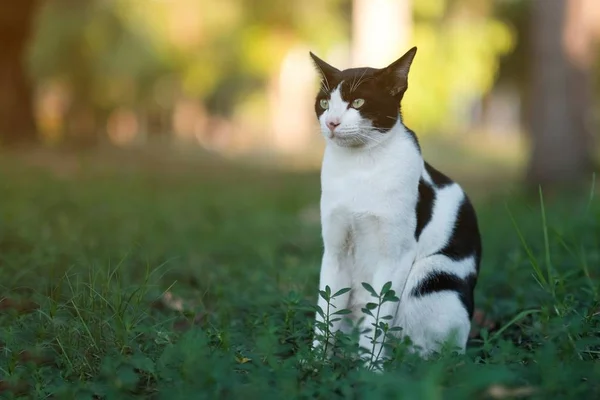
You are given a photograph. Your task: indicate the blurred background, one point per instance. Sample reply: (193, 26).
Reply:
(512, 82)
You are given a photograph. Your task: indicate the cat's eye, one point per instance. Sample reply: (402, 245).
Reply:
(358, 103)
(324, 103)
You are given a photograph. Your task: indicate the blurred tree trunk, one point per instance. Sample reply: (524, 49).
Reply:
(17, 125)
(562, 58)
(373, 20)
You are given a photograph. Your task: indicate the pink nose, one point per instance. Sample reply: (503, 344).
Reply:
(333, 123)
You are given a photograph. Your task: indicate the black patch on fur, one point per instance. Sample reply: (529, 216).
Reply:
(440, 180)
(465, 240)
(440, 281)
(424, 208)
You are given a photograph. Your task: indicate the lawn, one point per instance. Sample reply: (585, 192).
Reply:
(128, 277)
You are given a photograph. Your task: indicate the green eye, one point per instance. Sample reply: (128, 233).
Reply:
(324, 104)
(358, 103)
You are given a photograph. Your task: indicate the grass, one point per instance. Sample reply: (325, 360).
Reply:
(159, 281)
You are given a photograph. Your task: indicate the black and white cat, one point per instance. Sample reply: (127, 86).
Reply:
(387, 215)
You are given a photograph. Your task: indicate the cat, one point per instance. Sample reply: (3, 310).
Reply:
(387, 215)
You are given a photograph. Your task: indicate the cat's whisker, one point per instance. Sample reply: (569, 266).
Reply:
(327, 83)
(372, 128)
(361, 80)
(367, 138)
(355, 86)
(352, 84)
(324, 77)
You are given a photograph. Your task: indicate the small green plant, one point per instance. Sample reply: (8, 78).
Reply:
(328, 319)
(381, 328)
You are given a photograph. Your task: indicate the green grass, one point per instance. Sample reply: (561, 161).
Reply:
(160, 281)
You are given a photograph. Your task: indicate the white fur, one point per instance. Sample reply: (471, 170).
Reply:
(368, 218)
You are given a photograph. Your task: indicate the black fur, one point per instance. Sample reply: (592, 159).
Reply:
(424, 207)
(440, 180)
(440, 281)
(465, 240)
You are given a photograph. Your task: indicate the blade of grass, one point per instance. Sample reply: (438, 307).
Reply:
(516, 319)
(534, 264)
(592, 193)
(546, 243)
(85, 325)
(65, 353)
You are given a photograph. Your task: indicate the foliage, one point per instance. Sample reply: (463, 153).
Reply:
(460, 44)
(134, 53)
(147, 54)
(150, 280)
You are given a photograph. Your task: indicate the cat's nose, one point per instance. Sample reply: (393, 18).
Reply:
(333, 123)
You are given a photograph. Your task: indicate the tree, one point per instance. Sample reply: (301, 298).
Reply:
(372, 20)
(561, 91)
(460, 44)
(17, 125)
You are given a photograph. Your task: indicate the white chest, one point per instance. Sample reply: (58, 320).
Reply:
(358, 189)
(368, 198)
(371, 181)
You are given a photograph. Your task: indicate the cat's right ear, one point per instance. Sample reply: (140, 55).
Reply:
(327, 71)
(397, 72)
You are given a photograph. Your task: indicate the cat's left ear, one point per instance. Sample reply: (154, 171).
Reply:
(397, 72)
(327, 71)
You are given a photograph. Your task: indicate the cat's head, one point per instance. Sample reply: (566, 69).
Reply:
(357, 107)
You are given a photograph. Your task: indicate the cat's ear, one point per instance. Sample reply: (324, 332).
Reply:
(327, 71)
(397, 72)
